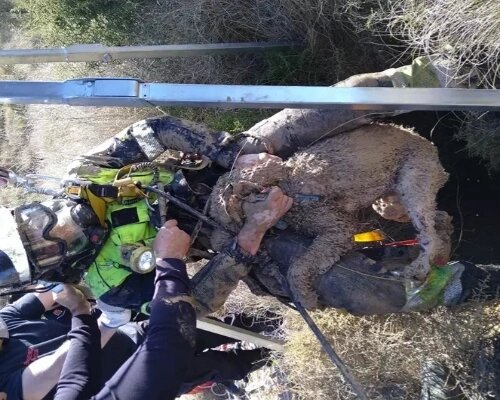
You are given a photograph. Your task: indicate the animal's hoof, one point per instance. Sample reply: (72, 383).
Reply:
(440, 260)
(418, 269)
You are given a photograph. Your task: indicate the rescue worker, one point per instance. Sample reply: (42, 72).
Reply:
(34, 346)
(33, 349)
(171, 334)
(129, 223)
(156, 370)
(144, 141)
(33, 337)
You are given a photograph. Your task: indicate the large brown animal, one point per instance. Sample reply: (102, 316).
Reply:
(333, 180)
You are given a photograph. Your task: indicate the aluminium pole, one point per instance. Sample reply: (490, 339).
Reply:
(100, 53)
(135, 93)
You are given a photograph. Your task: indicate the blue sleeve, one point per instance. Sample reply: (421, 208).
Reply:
(27, 307)
(12, 385)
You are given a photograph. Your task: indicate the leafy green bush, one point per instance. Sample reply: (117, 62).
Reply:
(62, 22)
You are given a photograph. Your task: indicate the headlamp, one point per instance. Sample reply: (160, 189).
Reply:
(142, 260)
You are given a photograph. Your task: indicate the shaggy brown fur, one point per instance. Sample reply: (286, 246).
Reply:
(349, 172)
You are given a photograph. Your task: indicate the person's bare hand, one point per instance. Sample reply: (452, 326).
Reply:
(263, 213)
(71, 298)
(252, 160)
(171, 242)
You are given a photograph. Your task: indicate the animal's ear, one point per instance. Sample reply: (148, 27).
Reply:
(234, 208)
(245, 188)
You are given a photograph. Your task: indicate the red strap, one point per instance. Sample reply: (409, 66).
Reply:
(201, 388)
(410, 242)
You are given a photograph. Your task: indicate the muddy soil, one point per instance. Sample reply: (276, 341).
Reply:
(471, 195)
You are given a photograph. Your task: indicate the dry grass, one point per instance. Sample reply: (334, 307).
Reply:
(386, 353)
(481, 132)
(14, 136)
(465, 33)
(329, 50)
(59, 133)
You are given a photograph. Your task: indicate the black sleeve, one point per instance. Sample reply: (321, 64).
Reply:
(158, 367)
(80, 376)
(27, 307)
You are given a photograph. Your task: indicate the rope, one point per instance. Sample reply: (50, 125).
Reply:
(327, 347)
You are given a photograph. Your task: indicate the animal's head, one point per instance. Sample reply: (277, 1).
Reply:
(243, 185)
(233, 197)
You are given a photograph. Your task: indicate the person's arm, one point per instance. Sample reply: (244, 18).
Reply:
(291, 129)
(147, 139)
(80, 375)
(216, 280)
(219, 277)
(157, 368)
(29, 307)
(42, 375)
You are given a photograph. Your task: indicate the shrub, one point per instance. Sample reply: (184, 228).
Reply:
(62, 22)
(481, 133)
(466, 33)
(386, 353)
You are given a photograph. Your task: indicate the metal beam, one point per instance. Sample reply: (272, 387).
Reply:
(100, 53)
(134, 93)
(238, 333)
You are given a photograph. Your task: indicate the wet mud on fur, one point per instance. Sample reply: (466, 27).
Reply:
(348, 176)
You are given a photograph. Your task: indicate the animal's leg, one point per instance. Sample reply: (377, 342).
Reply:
(419, 180)
(444, 229)
(325, 250)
